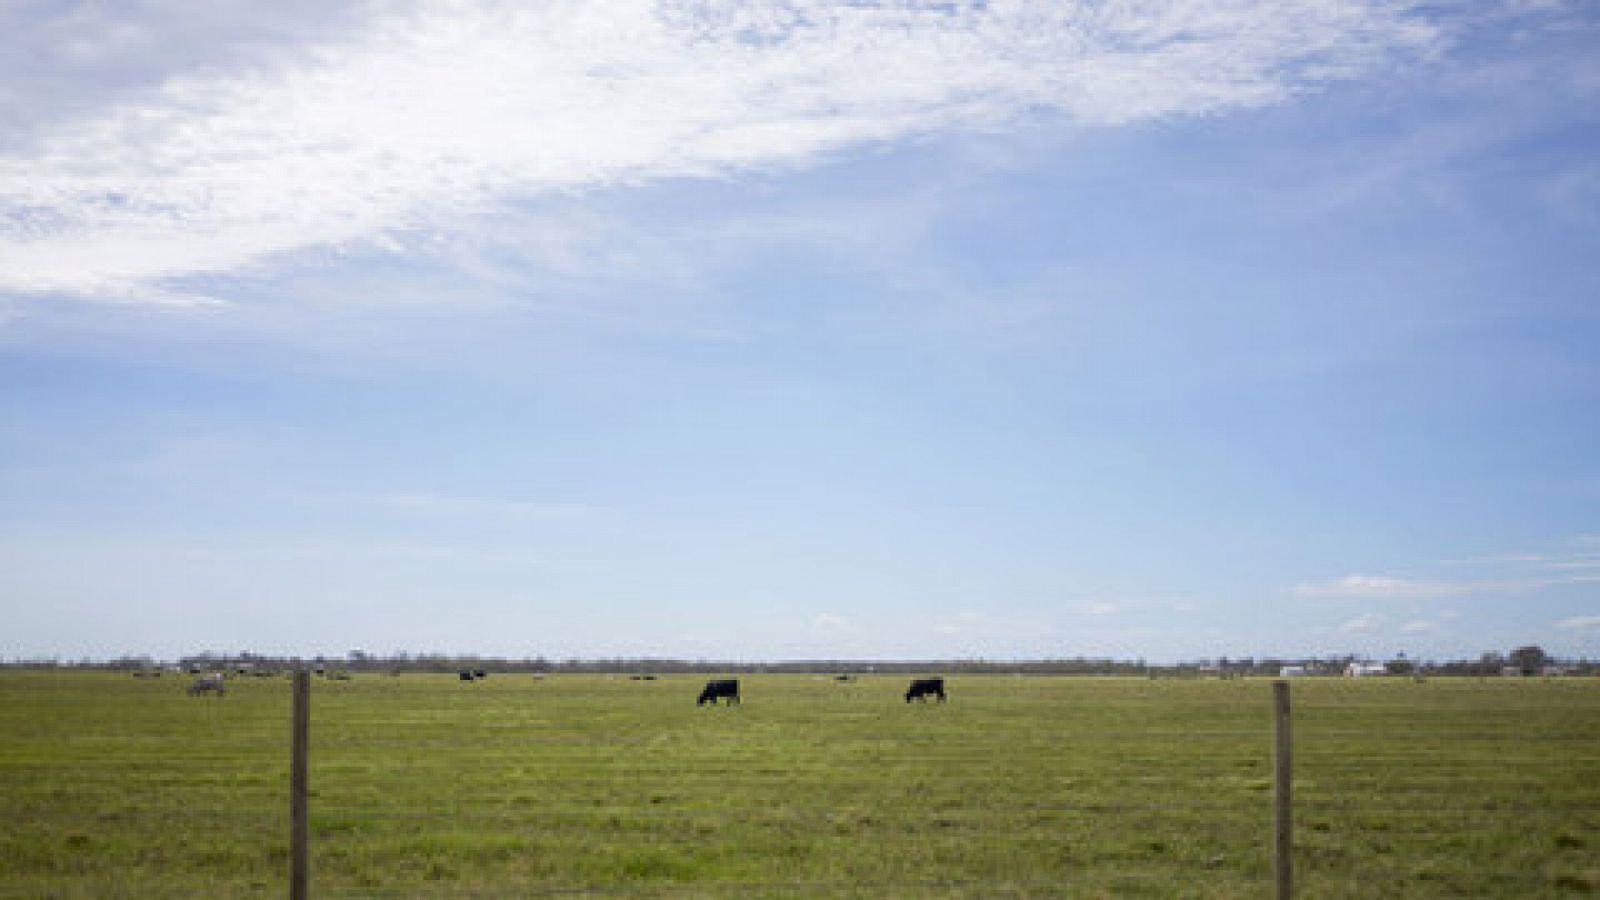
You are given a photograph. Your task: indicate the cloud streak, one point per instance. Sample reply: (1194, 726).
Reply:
(431, 117)
(1502, 573)
(1354, 587)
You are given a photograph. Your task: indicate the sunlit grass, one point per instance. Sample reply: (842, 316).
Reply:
(425, 785)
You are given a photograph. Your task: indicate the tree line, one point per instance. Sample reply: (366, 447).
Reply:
(1526, 660)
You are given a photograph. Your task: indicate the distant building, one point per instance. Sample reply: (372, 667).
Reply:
(1292, 671)
(1511, 671)
(1361, 669)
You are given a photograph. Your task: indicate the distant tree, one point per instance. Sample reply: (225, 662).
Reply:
(1400, 666)
(1529, 659)
(1490, 663)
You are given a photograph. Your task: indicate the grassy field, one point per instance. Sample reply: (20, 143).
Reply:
(1019, 787)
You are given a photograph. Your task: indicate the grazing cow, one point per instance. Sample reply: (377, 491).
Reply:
(719, 687)
(844, 678)
(211, 681)
(922, 687)
(479, 673)
(466, 676)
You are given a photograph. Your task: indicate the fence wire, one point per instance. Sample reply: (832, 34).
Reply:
(1402, 798)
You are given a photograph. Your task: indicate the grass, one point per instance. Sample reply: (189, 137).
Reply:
(1019, 787)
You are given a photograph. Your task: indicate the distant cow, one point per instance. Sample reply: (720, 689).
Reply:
(466, 676)
(922, 687)
(722, 687)
(211, 681)
(479, 673)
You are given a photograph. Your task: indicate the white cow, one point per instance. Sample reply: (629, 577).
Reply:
(211, 681)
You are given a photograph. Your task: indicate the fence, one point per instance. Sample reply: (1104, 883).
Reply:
(1026, 787)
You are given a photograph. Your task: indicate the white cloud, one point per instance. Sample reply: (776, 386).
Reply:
(1375, 586)
(1361, 623)
(1580, 623)
(1102, 609)
(1352, 587)
(829, 621)
(1419, 626)
(429, 118)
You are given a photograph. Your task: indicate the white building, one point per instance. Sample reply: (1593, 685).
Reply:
(1363, 669)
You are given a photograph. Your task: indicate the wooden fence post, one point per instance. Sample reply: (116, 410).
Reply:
(300, 745)
(1283, 787)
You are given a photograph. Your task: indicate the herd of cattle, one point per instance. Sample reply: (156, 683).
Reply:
(727, 689)
(723, 689)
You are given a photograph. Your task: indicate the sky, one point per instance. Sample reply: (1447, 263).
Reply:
(748, 329)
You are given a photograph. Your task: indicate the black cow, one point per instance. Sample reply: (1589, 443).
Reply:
(211, 681)
(922, 687)
(466, 676)
(719, 687)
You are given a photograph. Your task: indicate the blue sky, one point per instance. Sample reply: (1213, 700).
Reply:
(772, 330)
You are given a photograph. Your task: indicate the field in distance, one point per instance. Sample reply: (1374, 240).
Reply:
(424, 785)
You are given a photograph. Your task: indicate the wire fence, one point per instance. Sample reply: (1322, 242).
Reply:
(1425, 800)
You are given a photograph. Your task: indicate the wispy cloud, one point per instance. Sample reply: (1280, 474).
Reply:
(1361, 623)
(1363, 586)
(1383, 587)
(829, 621)
(1580, 623)
(430, 118)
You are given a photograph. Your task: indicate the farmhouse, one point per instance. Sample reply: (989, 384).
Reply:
(1292, 672)
(1363, 669)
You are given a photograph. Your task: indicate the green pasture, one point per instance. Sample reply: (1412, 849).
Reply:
(423, 785)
